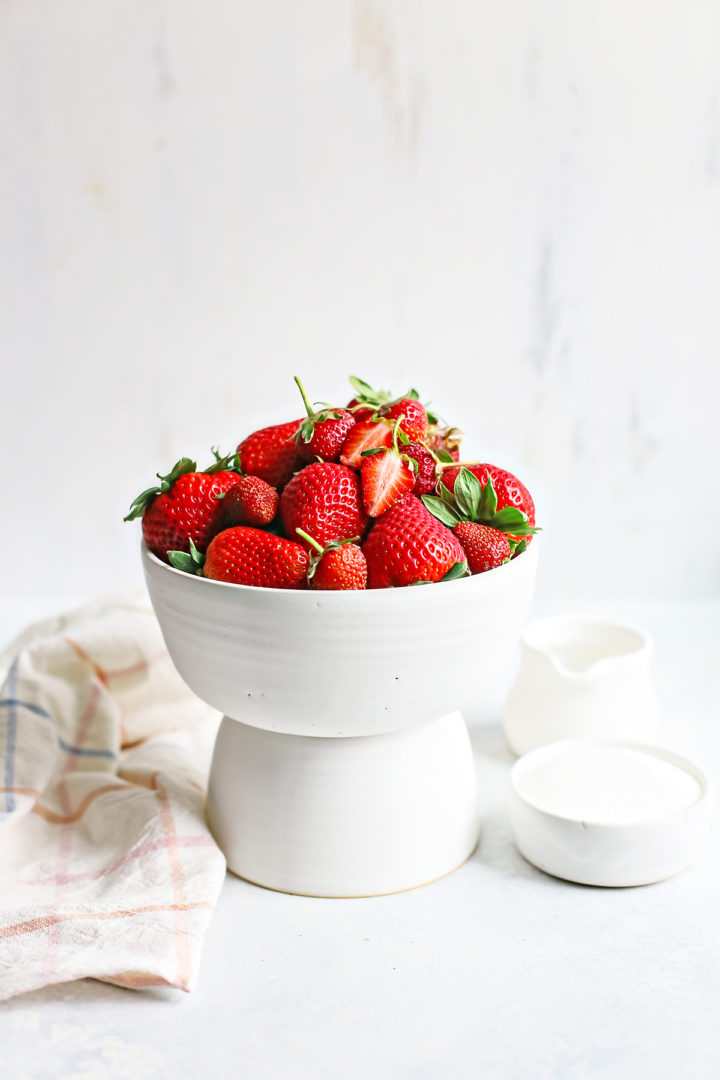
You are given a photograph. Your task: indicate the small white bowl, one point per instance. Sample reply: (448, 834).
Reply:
(608, 845)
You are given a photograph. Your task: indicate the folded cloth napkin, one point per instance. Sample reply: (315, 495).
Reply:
(107, 868)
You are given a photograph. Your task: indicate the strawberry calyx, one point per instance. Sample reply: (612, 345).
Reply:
(319, 550)
(314, 417)
(229, 463)
(379, 400)
(180, 468)
(471, 501)
(190, 562)
(365, 396)
(226, 463)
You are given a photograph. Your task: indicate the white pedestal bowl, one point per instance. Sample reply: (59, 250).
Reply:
(342, 765)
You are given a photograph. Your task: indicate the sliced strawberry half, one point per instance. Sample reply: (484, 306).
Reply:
(366, 435)
(385, 476)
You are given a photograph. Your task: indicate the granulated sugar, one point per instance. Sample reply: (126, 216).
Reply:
(609, 785)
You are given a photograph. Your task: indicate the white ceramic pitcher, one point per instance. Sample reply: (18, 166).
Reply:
(581, 677)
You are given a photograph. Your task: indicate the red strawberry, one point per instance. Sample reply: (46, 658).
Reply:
(365, 435)
(414, 422)
(185, 508)
(323, 433)
(325, 500)
(408, 545)
(509, 490)
(386, 476)
(360, 412)
(250, 501)
(427, 470)
(247, 556)
(341, 568)
(472, 501)
(484, 546)
(339, 565)
(271, 453)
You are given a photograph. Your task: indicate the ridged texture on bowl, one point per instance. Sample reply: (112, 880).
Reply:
(345, 663)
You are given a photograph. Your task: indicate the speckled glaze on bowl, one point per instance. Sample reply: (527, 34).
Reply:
(340, 663)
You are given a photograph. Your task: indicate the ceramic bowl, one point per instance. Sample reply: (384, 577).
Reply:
(342, 766)
(340, 663)
(359, 816)
(620, 849)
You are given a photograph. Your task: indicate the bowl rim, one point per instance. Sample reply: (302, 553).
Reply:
(559, 746)
(507, 570)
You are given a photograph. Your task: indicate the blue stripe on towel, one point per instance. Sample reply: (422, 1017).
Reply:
(10, 737)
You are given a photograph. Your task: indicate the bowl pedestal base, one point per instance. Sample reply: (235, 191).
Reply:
(340, 817)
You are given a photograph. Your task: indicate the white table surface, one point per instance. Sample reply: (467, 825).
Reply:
(497, 971)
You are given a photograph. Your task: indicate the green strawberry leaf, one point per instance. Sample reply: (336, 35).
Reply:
(182, 561)
(361, 388)
(441, 510)
(445, 457)
(307, 429)
(446, 494)
(432, 418)
(366, 395)
(139, 505)
(189, 562)
(512, 520)
(467, 492)
(374, 450)
(518, 548)
(227, 463)
(460, 569)
(184, 465)
(488, 503)
(197, 558)
(402, 437)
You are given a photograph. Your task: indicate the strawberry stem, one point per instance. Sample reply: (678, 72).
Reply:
(455, 464)
(396, 425)
(306, 403)
(306, 536)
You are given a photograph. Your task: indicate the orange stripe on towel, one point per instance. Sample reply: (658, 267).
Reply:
(177, 880)
(68, 819)
(46, 921)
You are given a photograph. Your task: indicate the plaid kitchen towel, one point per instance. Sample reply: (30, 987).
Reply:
(107, 868)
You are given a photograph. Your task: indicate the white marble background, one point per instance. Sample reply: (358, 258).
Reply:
(515, 207)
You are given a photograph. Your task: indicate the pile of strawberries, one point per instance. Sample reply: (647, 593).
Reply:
(372, 495)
